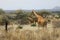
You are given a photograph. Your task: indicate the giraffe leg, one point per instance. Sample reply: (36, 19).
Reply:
(39, 25)
(44, 25)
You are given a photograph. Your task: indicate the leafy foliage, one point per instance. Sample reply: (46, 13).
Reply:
(21, 16)
(20, 27)
(33, 25)
(1, 11)
(45, 13)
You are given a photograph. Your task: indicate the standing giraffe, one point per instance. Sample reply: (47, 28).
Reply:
(41, 21)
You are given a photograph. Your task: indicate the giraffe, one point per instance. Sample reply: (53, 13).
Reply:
(40, 20)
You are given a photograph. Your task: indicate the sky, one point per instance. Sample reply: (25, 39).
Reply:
(28, 4)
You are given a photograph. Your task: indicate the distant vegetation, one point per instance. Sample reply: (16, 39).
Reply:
(21, 16)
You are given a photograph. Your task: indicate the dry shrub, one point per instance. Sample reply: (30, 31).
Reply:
(56, 23)
(27, 35)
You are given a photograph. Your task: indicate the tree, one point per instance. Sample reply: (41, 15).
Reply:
(22, 16)
(5, 21)
(2, 11)
(19, 14)
(44, 13)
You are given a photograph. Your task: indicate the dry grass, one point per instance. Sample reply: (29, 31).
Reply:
(28, 34)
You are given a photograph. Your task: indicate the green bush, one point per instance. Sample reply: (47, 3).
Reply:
(33, 25)
(57, 17)
(20, 27)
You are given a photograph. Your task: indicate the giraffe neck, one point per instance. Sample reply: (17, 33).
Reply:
(38, 16)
